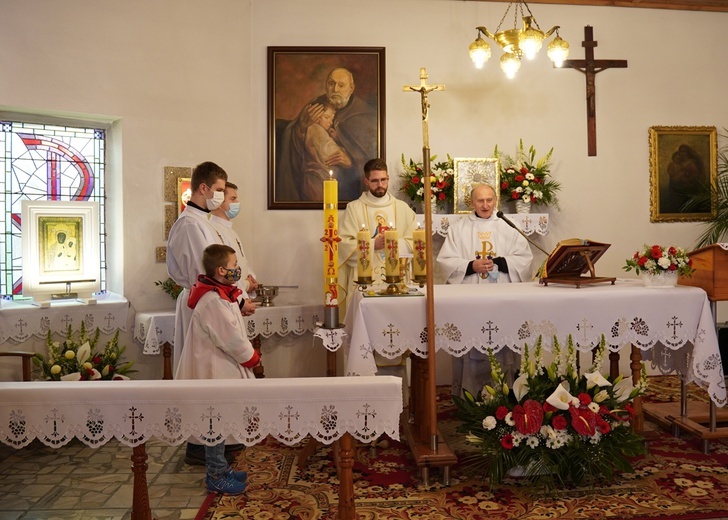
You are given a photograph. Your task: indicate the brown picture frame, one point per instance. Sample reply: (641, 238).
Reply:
(682, 159)
(299, 155)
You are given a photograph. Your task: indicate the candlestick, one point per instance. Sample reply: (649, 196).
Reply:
(419, 258)
(331, 241)
(364, 264)
(391, 246)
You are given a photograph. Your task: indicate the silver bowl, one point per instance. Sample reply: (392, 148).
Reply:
(266, 294)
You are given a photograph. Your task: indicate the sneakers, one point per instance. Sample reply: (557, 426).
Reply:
(240, 476)
(226, 485)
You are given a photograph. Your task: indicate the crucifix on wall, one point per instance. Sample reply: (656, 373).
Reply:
(590, 67)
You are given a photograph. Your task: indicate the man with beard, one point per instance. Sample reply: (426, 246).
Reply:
(354, 129)
(374, 206)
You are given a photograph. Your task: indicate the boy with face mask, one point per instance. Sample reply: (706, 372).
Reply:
(221, 220)
(217, 347)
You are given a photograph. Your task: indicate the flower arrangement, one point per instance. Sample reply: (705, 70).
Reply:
(656, 259)
(77, 359)
(524, 178)
(441, 180)
(554, 424)
(170, 287)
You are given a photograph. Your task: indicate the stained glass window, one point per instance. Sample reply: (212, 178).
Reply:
(45, 162)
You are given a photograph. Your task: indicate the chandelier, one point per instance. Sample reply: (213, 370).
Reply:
(517, 42)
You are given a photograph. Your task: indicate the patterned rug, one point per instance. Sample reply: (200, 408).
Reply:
(674, 481)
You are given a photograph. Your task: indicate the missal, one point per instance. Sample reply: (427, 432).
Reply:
(572, 263)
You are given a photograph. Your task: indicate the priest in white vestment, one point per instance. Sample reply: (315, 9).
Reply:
(483, 249)
(377, 210)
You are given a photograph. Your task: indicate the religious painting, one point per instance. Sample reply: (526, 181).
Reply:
(61, 247)
(326, 112)
(60, 244)
(471, 172)
(184, 193)
(683, 168)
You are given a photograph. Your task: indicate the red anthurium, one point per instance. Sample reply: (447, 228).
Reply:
(529, 417)
(583, 420)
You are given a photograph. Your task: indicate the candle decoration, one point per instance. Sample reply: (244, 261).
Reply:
(331, 241)
(364, 264)
(419, 259)
(391, 247)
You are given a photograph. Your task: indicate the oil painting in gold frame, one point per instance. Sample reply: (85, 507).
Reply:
(468, 174)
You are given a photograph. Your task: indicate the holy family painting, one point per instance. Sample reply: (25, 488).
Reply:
(326, 110)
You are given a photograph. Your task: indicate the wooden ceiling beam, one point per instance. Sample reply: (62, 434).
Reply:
(684, 5)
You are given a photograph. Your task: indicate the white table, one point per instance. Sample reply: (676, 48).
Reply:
(529, 223)
(673, 325)
(155, 330)
(327, 409)
(22, 320)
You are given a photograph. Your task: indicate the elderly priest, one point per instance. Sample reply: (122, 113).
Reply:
(483, 249)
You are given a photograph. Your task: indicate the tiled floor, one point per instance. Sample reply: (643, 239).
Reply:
(77, 482)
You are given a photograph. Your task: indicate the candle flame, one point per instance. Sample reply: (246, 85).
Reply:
(391, 225)
(419, 226)
(363, 227)
(331, 174)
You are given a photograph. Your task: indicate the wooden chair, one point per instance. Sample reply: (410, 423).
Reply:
(27, 358)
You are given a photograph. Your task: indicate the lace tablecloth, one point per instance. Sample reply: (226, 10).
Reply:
(153, 329)
(19, 321)
(529, 223)
(207, 410)
(664, 323)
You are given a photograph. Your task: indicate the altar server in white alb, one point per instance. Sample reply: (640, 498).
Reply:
(221, 220)
(483, 249)
(377, 210)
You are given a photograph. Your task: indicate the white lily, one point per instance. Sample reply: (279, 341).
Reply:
(596, 379)
(96, 374)
(623, 389)
(601, 396)
(520, 386)
(560, 398)
(84, 352)
(76, 376)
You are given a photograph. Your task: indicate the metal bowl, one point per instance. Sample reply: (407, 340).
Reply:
(266, 294)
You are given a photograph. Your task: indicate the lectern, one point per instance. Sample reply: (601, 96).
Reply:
(711, 275)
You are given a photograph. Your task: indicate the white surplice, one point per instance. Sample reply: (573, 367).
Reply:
(465, 238)
(230, 238)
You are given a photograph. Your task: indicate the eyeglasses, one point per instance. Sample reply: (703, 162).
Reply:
(379, 181)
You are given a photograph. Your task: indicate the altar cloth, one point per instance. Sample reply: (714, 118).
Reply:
(511, 315)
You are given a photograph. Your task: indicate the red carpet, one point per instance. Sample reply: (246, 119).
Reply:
(675, 481)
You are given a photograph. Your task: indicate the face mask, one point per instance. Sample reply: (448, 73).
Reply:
(233, 211)
(218, 197)
(233, 275)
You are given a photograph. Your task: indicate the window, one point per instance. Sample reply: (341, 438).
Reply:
(46, 162)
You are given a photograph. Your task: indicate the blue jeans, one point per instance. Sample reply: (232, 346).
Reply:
(215, 460)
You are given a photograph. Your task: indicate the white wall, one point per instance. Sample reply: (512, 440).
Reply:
(186, 82)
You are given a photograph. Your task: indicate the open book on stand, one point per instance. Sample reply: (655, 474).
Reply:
(572, 263)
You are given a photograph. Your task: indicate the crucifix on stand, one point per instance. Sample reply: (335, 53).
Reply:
(422, 434)
(590, 67)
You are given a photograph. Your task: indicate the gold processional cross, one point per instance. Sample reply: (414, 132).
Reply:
(423, 88)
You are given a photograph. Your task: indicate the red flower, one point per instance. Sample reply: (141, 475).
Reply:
(636, 255)
(519, 178)
(548, 407)
(524, 170)
(415, 180)
(642, 261)
(673, 267)
(656, 252)
(507, 441)
(504, 185)
(583, 420)
(603, 426)
(97, 359)
(630, 409)
(584, 398)
(440, 185)
(501, 412)
(515, 195)
(559, 422)
(529, 417)
(690, 262)
(441, 196)
(672, 251)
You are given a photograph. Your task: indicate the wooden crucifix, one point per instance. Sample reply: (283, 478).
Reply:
(590, 67)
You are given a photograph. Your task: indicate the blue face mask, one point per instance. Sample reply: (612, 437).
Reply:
(233, 211)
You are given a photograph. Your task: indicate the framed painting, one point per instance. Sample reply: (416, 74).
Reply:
(184, 193)
(326, 113)
(60, 246)
(683, 165)
(468, 174)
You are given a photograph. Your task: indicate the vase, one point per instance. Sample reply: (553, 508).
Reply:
(523, 206)
(659, 279)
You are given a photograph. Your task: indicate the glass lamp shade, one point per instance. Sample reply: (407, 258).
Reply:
(510, 63)
(558, 51)
(530, 41)
(479, 52)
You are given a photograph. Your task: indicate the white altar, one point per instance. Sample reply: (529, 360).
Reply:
(672, 325)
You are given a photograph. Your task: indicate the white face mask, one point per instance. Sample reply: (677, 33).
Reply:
(218, 197)
(233, 211)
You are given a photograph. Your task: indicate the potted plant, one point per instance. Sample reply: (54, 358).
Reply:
(441, 182)
(659, 266)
